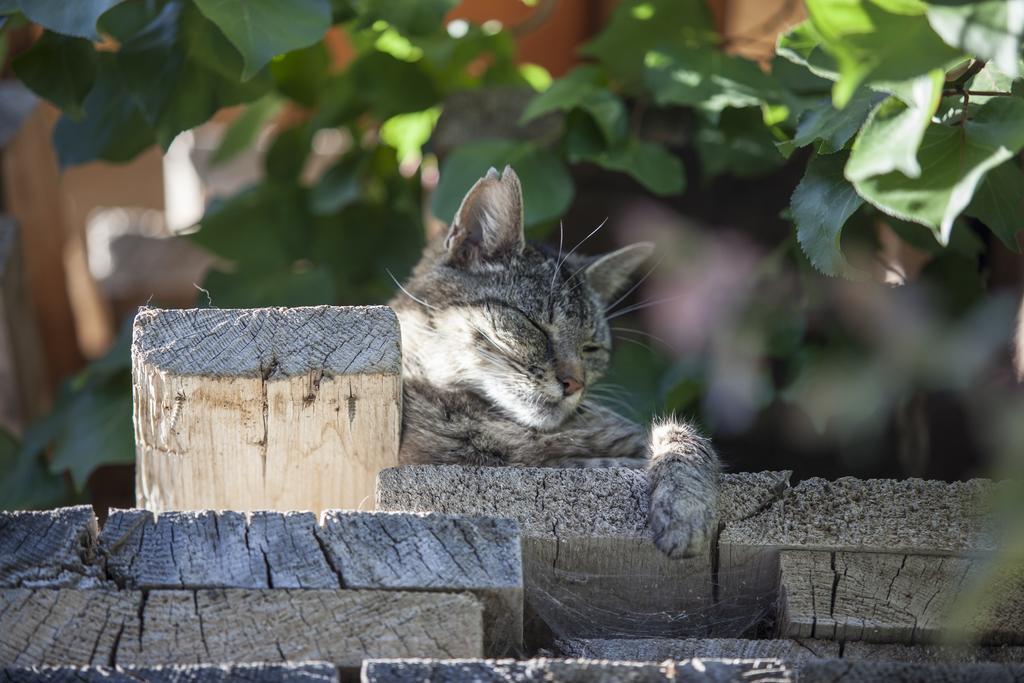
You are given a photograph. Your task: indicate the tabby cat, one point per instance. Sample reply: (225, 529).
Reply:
(501, 340)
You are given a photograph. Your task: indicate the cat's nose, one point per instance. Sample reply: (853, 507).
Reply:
(570, 385)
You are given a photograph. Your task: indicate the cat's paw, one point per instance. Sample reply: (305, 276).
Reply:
(681, 525)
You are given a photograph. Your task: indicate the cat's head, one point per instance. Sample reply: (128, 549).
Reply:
(521, 324)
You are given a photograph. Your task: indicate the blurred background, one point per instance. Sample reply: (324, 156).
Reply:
(169, 163)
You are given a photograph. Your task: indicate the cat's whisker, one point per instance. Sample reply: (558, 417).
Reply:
(560, 263)
(642, 305)
(637, 342)
(644, 334)
(408, 293)
(608, 309)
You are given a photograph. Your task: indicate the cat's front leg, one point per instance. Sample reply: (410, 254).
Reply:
(684, 489)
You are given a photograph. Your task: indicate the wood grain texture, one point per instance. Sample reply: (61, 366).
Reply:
(660, 649)
(577, 671)
(894, 598)
(24, 389)
(843, 671)
(196, 673)
(909, 516)
(133, 628)
(49, 549)
(933, 654)
(590, 567)
(214, 550)
(434, 552)
(278, 409)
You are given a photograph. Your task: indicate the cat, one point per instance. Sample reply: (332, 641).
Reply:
(501, 340)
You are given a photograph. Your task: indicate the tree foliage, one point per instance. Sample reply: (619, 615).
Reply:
(907, 109)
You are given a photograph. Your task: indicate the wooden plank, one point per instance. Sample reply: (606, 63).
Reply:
(214, 550)
(50, 549)
(133, 628)
(892, 598)
(196, 673)
(32, 195)
(279, 409)
(659, 649)
(909, 516)
(843, 671)
(933, 654)
(24, 388)
(589, 565)
(577, 671)
(436, 553)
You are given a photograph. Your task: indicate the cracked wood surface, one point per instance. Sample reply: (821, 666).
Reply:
(589, 565)
(283, 409)
(65, 627)
(578, 671)
(53, 548)
(877, 515)
(306, 672)
(434, 552)
(894, 598)
(660, 649)
(214, 550)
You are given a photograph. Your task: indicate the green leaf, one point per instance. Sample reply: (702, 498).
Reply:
(246, 128)
(97, 430)
(70, 17)
(178, 66)
(407, 133)
(992, 30)
(878, 41)
(410, 17)
(834, 127)
(739, 143)
(547, 187)
(999, 204)
(60, 68)
(581, 88)
(954, 160)
(264, 227)
(821, 205)
(706, 78)
(263, 29)
(259, 288)
(301, 74)
(339, 186)
(288, 153)
(894, 130)
(25, 484)
(649, 163)
(112, 128)
(390, 86)
(802, 45)
(638, 25)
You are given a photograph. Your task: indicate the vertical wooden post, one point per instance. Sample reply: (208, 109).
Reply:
(269, 408)
(24, 390)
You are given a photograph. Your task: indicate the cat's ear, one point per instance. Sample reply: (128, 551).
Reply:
(489, 224)
(609, 274)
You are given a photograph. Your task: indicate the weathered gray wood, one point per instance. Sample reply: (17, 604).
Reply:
(278, 409)
(214, 550)
(24, 386)
(576, 671)
(434, 552)
(306, 672)
(844, 671)
(909, 516)
(49, 549)
(925, 654)
(660, 649)
(590, 567)
(893, 598)
(130, 628)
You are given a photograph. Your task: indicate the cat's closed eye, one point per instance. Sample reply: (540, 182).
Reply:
(593, 348)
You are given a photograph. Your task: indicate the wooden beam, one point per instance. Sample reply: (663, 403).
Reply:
(589, 565)
(306, 672)
(32, 195)
(278, 409)
(24, 385)
(53, 548)
(227, 626)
